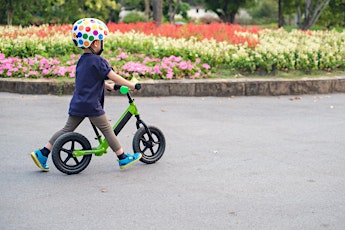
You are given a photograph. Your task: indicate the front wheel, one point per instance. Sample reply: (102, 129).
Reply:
(150, 145)
(62, 153)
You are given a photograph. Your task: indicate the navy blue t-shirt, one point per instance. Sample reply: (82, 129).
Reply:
(88, 96)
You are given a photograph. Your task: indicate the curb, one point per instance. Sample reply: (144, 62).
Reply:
(194, 88)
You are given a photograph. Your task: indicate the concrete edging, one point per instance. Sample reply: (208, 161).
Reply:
(194, 88)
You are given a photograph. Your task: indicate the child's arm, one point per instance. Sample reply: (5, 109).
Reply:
(120, 80)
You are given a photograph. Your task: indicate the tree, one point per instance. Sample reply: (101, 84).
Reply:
(173, 5)
(334, 14)
(264, 12)
(280, 13)
(147, 10)
(307, 11)
(15, 11)
(9, 11)
(312, 12)
(55, 11)
(226, 10)
(157, 11)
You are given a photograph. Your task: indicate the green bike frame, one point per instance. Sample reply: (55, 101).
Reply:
(122, 121)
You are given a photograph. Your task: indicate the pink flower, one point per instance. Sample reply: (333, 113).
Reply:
(176, 59)
(183, 65)
(156, 69)
(121, 56)
(32, 73)
(196, 75)
(45, 72)
(206, 66)
(170, 74)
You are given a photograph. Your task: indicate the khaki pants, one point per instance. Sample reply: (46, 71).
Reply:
(101, 122)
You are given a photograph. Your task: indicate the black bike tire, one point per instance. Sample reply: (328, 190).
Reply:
(57, 158)
(137, 141)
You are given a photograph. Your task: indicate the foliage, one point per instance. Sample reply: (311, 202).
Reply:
(334, 14)
(20, 12)
(226, 10)
(312, 11)
(36, 67)
(174, 7)
(264, 12)
(133, 18)
(168, 52)
(54, 11)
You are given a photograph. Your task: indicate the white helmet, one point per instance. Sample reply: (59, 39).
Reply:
(86, 30)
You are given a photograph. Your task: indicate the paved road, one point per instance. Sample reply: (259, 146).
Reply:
(230, 163)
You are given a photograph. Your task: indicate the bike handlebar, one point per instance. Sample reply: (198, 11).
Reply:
(124, 89)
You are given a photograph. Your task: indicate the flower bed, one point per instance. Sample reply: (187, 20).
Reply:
(169, 52)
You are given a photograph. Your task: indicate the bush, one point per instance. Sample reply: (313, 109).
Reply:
(134, 18)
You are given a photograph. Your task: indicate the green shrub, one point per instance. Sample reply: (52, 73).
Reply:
(133, 18)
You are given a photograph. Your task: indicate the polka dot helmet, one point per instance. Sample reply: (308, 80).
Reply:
(86, 30)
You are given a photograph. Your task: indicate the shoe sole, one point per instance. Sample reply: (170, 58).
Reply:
(37, 162)
(129, 164)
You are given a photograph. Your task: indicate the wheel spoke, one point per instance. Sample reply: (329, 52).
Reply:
(65, 150)
(72, 146)
(144, 150)
(152, 151)
(67, 159)
(76, 160)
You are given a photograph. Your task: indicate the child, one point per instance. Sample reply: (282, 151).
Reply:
(88, 97)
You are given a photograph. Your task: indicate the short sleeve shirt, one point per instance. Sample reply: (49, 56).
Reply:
(88, 96)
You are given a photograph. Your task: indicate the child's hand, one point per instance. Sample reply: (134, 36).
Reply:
(132, 87)
(109, 86)
(136, 86)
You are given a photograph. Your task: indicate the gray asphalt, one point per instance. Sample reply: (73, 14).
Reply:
(230, 163)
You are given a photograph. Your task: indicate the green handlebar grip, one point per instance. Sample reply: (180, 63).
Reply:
(124, 90)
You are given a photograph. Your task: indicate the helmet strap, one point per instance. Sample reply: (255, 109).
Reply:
(100, 51)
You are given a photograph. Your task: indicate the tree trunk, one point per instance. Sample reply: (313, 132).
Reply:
(312, 13)
(172, 10)
(147, 10)
(10, 12)
(158, 12)
(227, 17)
(9, 17)
(280, 14)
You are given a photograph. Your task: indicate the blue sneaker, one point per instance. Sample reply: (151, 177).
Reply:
(129, 160)
(40, 160)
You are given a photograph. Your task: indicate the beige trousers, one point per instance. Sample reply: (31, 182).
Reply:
(101, 122)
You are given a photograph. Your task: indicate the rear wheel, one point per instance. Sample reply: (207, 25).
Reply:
(150, 146)
(62, 151)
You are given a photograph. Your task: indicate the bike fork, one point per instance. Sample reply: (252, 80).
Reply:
(141, 122)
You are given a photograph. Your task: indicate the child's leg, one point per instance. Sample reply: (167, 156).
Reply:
(102, 123)
(40, 156)
(125, 160)
(72, 123)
